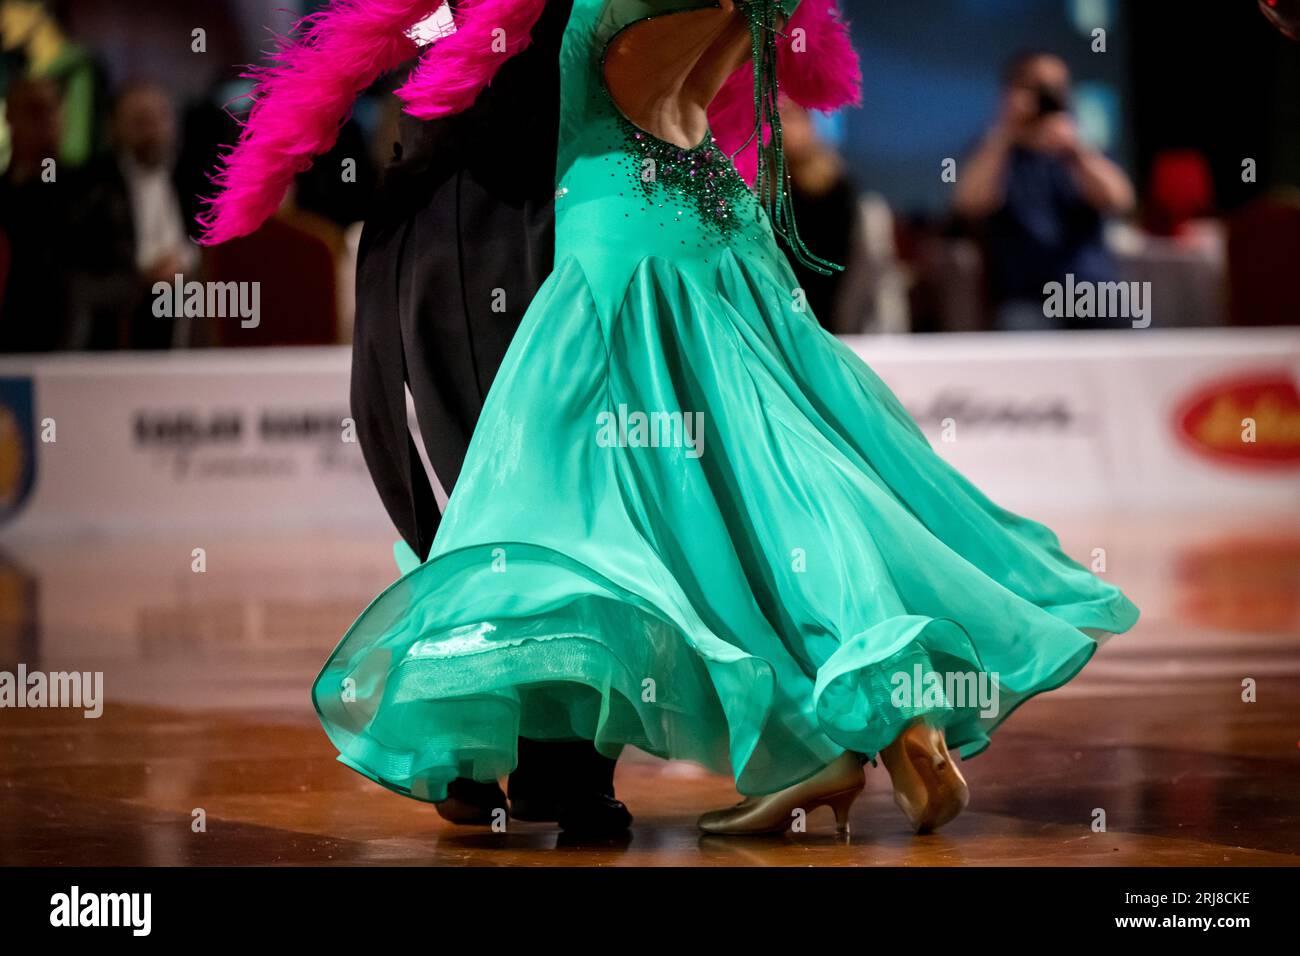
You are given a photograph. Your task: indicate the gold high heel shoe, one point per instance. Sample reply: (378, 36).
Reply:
(928, 787)
(836, 786)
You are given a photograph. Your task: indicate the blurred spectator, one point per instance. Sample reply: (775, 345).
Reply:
(34, 30)
(826, 209)
(1040, 194)
(133, 233)
(35, 213)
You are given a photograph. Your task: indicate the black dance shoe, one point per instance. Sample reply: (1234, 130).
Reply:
(595, 814)
(579, 812)
(471, 803)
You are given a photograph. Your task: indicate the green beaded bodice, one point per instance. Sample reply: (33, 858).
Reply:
(623, 195)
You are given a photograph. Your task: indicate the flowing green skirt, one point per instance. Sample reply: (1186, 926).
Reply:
(754, 583)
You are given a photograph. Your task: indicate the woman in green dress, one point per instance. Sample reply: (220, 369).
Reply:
(690, 520)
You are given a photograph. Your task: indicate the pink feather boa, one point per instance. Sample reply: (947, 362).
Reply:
(455, 70)
(304, 96)
(300, 102)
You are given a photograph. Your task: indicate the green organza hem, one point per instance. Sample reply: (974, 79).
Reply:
(572, 655)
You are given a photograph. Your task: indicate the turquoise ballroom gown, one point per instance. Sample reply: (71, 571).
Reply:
(690, 520)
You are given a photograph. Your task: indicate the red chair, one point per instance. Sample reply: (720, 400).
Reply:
(295, 263)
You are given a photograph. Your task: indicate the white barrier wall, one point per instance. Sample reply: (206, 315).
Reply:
(257, 439)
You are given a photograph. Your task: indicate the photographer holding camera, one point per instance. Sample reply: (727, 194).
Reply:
(1040, 194)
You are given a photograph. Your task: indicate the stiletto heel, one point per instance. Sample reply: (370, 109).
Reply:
(836, 786)
(841, 804)
(928, 787)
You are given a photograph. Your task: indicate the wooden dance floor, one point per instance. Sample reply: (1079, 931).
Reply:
(208, 717)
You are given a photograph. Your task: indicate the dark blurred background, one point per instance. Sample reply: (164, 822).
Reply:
(1183, 117)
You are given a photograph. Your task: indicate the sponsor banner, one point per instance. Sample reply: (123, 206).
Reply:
(1214, 420)
(1142, 419)
(186, 439)
(1137, 419)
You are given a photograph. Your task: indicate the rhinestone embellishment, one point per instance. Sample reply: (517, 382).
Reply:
(701, 179)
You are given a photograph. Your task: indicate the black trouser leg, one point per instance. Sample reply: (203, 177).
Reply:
(568, 781)
(550, 769)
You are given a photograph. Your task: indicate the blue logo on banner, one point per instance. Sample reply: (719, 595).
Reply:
(17, 445)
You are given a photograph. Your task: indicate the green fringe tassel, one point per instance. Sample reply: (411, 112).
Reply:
(773, 182)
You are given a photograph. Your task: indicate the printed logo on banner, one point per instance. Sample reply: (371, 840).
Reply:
(1251, 420)
(17, 445)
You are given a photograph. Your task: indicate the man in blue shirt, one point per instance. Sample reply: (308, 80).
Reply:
(1041, 195)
